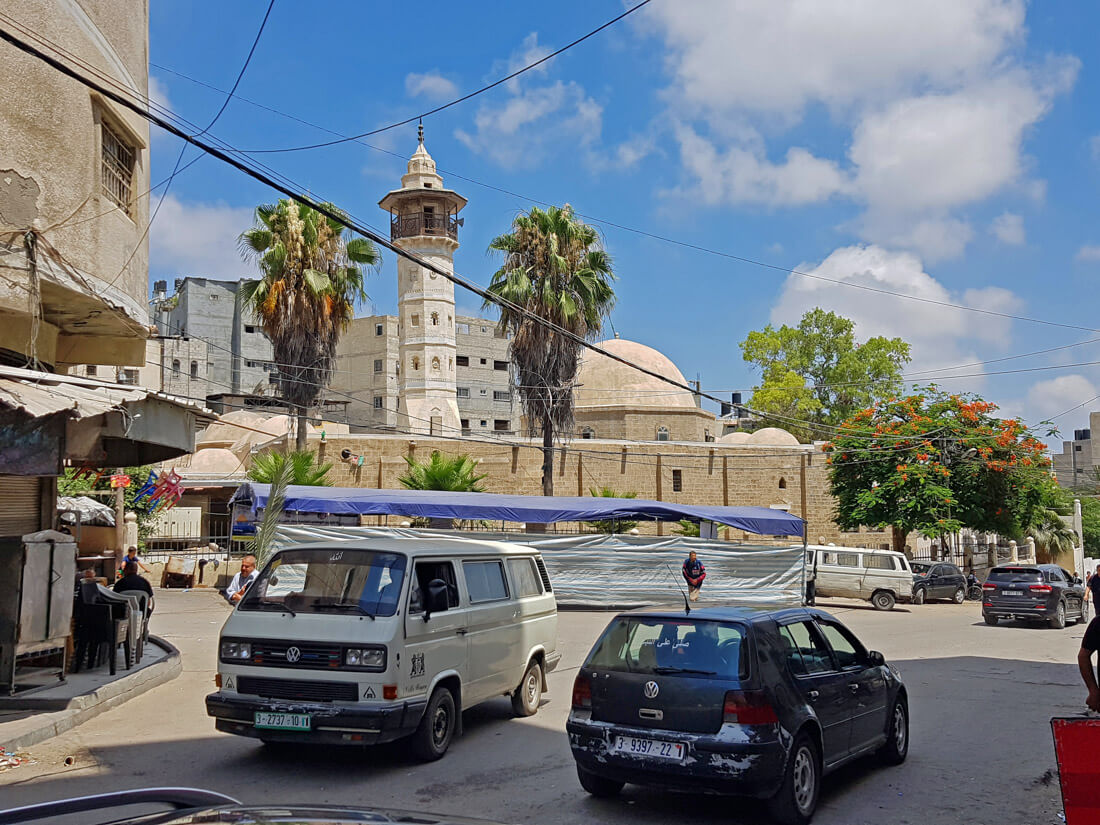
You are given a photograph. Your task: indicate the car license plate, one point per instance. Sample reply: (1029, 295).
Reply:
(1012, 592)
(648, 747)
(282, 721)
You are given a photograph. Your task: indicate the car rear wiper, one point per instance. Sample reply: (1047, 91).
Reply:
(670, 669)
(280, 605)
(320, 605)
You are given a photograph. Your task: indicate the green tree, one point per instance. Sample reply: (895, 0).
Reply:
(818, 372)
(441, 472)
(554, 268)
(264, 543)
(1053, 537)
(936, 462)
(311, 278)
(304, 469)
(68, 485)
(1090, 525)
(687, 528)
(611, 525)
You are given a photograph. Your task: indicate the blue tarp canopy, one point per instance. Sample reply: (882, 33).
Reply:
(521, 509)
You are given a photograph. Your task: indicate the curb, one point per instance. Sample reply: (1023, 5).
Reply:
(89, 705)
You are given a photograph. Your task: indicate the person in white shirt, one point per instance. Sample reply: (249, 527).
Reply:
(236, 590)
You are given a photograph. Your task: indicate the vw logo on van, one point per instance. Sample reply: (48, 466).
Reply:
(651, 690)
(293, 654)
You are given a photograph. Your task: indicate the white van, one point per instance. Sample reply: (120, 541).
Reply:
(368, 641)
(883, 577)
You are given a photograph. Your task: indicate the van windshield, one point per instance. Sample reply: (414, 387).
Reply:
(686, 647)
(329, 580)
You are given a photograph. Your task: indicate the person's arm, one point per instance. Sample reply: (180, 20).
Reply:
(1084, 664)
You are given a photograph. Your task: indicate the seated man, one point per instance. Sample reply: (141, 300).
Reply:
(132, 581)
(237, 588)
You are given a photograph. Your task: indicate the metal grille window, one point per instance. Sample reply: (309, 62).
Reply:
(677, 481)
(118, 169)
(378, 365)
(502, 395)
(378, 402)
(462, 392)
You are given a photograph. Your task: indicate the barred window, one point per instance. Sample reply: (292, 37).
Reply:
(502, 395)
(118, 169)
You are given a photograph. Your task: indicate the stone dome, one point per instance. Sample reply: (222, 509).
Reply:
(603, 382)
(772, 437)
(213, 461)
(736, 437)
(224, 433)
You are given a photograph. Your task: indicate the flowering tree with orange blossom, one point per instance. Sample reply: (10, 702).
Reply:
(936, 462)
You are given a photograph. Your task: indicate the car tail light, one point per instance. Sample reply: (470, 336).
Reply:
(1040, 588)
(989, 586)
(582, 692)
(748, 707)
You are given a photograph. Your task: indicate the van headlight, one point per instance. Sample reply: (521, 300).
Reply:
(235, 651)
(368, 658)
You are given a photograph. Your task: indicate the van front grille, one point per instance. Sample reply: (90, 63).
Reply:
(306, 691)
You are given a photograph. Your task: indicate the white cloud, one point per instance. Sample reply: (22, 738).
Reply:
(935, 237)
(431, 85)
(199, 239)
(1089, 253)
(1052, 397)
(158, 96)
(1009, 229)
(940, 336)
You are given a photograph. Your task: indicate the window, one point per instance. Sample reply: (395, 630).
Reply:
(462, 329)
(462, 392)
(806, 650)
(435, 319)
(462, 360)
(416, 363)
(848, 652)
(1054, 576)
(525, 577)
(465, 424)
(427, 185)
(587, 432)
(90, 370)
(194, 368)
(1077, 448)
(378, 402)
(483, 362)
(427, 572)
(484, 423)
(502, 424)
(677, 481)
(502, 395)
(782, 484)
(840, 559)
(484, 329)
(481, 392)
(485, 581)
(378, 365)
(175, 366)
(118, 169)
(699, 648)
(662, 433)
(435, 425)
(378, 329)
(435, 364)
(414, 320)
(873, 562)
(499, 365)
(250, 329)
(127, 376)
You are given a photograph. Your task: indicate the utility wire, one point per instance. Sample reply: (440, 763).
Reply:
(455, 102)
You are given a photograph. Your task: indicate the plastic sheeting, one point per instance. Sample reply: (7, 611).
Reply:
(91, 512)
(520, 509)
(623, 571)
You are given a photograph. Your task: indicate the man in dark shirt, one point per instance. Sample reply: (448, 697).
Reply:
(1089, 645)
(1093, 592)
(132, 581)
(694, 573)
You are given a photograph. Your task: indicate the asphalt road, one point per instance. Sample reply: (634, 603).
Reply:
(981, 699)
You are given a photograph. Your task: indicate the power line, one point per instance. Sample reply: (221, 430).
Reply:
(455, 102)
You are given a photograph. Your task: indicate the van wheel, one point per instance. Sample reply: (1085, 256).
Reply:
(436, 729)
(526, 697)
(883, 600)
(599, 786)
(918, 596)
(795, 801)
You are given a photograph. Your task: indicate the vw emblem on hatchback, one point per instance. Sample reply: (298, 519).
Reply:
(293, 655)
(651, 690)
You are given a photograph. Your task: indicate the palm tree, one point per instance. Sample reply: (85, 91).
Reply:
(1053, 537)
(554, 268)
(303, 469)
(311, 278)
(440, 472)
(611, 525)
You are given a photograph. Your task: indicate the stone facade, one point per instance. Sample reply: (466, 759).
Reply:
(1079, 461)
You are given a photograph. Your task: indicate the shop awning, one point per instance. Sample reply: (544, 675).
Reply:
(520, 509)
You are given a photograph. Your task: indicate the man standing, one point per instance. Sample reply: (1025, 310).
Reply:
(1089, 645)
(131, 580)
(1092, 590)
(237, 588)
(694, 573)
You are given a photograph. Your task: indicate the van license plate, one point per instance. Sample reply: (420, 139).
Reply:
(282, 721)
(648, 747)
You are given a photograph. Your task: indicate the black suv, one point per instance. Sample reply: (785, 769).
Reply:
(734, 700)
(938, 580)
(1033, 592)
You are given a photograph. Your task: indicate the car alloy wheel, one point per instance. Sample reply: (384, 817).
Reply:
(960, 596)
(918, 596)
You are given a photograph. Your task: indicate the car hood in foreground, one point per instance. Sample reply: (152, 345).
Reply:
(312, 815)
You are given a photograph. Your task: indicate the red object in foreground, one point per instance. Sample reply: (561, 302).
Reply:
(1076, 744)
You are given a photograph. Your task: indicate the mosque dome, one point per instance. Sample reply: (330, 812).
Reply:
(225, 432)
(604, 382)
(772, 437)
(213, 461)
(736, 437)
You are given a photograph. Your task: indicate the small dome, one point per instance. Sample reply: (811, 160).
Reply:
(736, 437)
(213, 461)
(223, 433)
(604, 382)
(773, 437)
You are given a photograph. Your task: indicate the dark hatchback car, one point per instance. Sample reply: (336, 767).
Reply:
(1034, 593)
(937, 580)
(749, 701)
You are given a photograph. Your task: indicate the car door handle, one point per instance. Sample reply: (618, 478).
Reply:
(854, 687)
(812, 695)
(461, 631)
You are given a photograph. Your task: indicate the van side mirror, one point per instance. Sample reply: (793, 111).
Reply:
(435, 599)
(875, 659)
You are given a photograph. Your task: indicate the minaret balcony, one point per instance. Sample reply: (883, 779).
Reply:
(423, 223)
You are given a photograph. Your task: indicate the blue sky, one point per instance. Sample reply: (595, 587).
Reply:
(948, 149)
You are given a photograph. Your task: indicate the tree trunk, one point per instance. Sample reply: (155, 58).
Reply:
(898, 538)
(547, 456)
(300, 439)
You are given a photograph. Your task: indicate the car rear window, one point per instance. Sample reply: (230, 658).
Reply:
(688, 647)
(1014, 574)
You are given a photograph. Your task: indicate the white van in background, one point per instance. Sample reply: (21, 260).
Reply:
(883, 577)
(368, 641)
